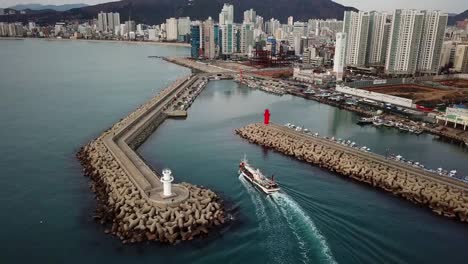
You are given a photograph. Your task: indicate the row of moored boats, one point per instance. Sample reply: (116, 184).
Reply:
(378, 122)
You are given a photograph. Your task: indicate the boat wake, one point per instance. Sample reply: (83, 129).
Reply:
(306, 232)
(271, 213)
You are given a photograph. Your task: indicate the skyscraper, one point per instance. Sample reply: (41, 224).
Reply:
(110, 22)
(432, 40)
(183, 26)
(461, 59)
(250, 16)
(171, 29)
(356, 27)
(208, 41)
(227, 15)
(246, 38)
(415, 42)
(377, 41)
(195, 41)
(340, 51)
(102, 22)
(227, 30)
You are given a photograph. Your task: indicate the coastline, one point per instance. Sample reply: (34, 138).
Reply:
(173, 44)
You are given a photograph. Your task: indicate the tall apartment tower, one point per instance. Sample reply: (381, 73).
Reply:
(415, 43)
(208, 39)
(171, 29)
(250, 16)
(227, 15)
(404, 42)
(356, 27)
(102, 22)
(340, 51)
(377, 40)
(432, 40)
(227, 30)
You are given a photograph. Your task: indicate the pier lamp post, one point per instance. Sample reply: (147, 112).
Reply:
(167, 180)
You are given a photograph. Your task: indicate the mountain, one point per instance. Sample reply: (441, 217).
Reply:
(156, 11)
(453, 19)
(50, 7)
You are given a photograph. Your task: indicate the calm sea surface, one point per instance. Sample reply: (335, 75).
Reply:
(57, 95)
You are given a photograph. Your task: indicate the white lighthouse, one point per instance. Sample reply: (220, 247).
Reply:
(167, 182)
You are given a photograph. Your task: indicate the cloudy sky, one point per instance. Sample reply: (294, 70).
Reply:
(452, 6)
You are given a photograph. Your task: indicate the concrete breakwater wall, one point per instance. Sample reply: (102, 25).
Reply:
(445, 196)
(128, 192)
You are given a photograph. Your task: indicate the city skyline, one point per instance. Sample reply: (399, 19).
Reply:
(450, 6)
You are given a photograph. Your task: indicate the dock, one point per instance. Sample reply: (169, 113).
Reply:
(444, 195)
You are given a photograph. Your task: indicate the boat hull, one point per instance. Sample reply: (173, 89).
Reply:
(257, 185)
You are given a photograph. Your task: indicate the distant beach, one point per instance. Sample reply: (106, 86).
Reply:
(174, 44)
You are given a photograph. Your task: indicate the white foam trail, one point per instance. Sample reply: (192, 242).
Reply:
(295, 215)
(259, 206)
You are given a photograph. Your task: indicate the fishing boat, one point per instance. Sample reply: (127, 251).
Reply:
(364, 121)
(254, 176)
(377, 122)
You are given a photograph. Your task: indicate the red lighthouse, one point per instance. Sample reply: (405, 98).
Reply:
(266, 117)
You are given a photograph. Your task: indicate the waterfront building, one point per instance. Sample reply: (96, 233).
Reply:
(339, 59)
(183, 27)
(31, 25)
(461, 59)
(59, 28)
(356, 27)
(250, 16)
(227, 15)
(102, 22)
(435, 23)
(415, 42)
(377, 41)
(208, 40)
(171, 29)
(130, 26)
(3, 29)
(110, 22)
(116, 20)
(195, 41)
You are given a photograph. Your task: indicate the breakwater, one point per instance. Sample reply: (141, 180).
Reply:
(129, 192)
(444, 195)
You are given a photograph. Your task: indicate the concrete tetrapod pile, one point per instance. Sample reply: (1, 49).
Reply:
(132, 214)
(446, 197)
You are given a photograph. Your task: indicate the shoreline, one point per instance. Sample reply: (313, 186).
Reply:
(173, 44)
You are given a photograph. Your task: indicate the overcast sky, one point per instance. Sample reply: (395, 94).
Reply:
(452, 6)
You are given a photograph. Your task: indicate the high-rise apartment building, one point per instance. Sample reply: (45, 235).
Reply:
(196, 37)
(102, 22)
(356, 27)
(208, 39)
(432, 40)
(461, 59)
(183, 26)
(415, 42)
(340, 52)
(250, 16)
(377, 40)
(228, 38)
(227, 15)
(246, 38)
(171, 29)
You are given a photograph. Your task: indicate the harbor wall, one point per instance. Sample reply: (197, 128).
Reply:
(128, 191)
(443, 195)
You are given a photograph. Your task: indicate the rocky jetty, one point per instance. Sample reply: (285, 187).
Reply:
(128, 212)
(449, 199)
